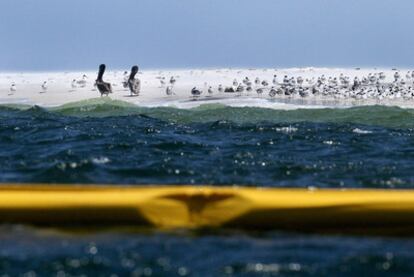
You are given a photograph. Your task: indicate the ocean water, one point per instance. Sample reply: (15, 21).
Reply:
(112, 142)
(117, 143)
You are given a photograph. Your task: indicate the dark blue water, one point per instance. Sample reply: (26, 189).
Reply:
(116, 143)
(360, 147)
(47, 253)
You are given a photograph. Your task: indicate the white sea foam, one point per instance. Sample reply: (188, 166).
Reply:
(361, 131)
(287, 129)
(100, 160)
(331, 142)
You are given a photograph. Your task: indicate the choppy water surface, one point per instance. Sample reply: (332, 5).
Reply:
(113, 142)
(110, 143)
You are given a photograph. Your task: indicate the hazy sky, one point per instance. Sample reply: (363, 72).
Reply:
(80, 34)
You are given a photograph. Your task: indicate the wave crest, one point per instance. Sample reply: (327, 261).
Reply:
(105, 107)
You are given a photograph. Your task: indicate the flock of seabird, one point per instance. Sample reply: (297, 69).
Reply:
(105, 88)
(371, 86)
(169, 89)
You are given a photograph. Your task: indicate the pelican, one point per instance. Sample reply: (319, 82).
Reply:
(103, 87)
(134, 84)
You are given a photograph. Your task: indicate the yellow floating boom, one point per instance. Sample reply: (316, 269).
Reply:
(360, 210)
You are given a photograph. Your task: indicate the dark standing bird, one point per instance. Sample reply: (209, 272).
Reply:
(195, 92)
(134, 84)
(103, 87)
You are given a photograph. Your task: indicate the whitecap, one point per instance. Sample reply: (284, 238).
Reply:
(286, 129)
(361, 131)
(100, 160)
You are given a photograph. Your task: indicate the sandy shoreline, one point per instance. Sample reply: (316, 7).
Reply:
(60, 91)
